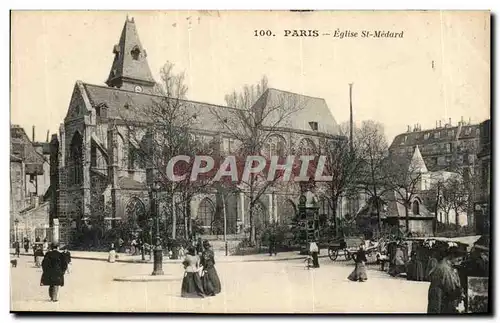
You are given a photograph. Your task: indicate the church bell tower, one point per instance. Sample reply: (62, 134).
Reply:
(130, 70)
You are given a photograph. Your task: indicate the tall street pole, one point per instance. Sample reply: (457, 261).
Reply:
(351, 120)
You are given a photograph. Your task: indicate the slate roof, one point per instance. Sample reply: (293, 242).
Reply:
(22, 148)
(124, 66)
(445, 135)
(307, 109)
(417, 163)
(133, 106)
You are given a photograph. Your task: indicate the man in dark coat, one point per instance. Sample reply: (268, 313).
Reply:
(17, 248)
(54, 266)
(26, 245)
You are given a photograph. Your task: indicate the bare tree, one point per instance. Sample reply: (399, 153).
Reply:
(405, 180)
(372, 150)
(254, 117)
(160, 129)
(342, 164)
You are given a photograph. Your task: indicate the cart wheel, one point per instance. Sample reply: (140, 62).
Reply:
(347, 255)
(333, 254)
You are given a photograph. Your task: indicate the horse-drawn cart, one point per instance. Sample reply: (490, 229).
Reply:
(349, 246)
(337, 247)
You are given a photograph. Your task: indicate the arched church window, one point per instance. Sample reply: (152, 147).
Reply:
(206, 212)
(136, 212)
(307, 147)
(135, 53)
(276, 146)
(76, 162)
(416, 208)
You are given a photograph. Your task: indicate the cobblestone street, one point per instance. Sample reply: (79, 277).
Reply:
(248, 287)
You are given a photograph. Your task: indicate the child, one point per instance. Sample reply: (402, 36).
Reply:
(181, 252)
(67, 258)
(112, 253)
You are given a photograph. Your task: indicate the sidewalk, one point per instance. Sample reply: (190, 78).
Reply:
(219, 255)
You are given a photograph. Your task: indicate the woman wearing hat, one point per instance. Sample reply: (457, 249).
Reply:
(445, 292)
(359, 272)
(211, 281)
(54, 266)
(191, 283)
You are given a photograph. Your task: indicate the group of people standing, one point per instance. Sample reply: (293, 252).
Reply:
(200, 276)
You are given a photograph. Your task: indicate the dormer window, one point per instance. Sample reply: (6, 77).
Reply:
(313, 125)
(135, 53)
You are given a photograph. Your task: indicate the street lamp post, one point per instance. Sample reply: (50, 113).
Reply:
(158, 252)
(150, 225)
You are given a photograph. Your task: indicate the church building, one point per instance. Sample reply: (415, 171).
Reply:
(96, 165)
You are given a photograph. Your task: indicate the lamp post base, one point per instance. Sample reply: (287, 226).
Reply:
(158, 262)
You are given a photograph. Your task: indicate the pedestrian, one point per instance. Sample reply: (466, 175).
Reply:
(38, 253)
(199, 246)
(26, 245)
(272, 243)
(182, 252)
(133, 247)
(112, 253)
(37, 239)
(210, 280)
(191, 283)
(45, 246)
(314, 250)
(17, 248)
(67, 258)
(120, 245)
(399, 262)
(445, 292)
(54, 266)
(359, 272)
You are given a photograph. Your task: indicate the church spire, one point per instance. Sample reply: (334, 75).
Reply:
(417, 163)
(130, 69)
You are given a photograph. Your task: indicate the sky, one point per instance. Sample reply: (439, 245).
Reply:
(440, 69)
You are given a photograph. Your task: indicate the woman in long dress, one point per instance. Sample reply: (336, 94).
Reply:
(445, 292)
(399, 262)
(210, 280)
(191, 283)
(359, 272)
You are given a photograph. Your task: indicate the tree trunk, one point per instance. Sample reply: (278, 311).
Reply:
(457, 215)
(187, 215)
(252, 225)
(334, 215)
(377, 205)
(407, 219)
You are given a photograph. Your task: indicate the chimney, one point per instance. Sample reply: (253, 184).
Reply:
(449, 122)
(47, 139)
(469, 120)
(33, 134)
(439, 123)
(436, 124)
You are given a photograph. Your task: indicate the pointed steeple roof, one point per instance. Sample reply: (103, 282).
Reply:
(130, 64)
(417, 163)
